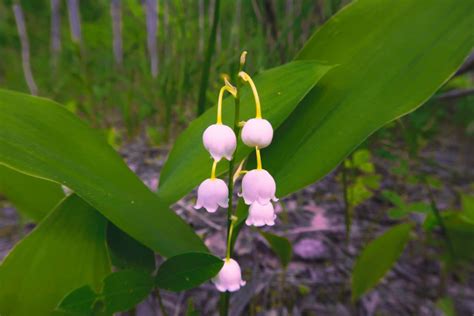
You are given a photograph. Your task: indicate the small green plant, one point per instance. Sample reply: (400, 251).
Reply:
(359, 180)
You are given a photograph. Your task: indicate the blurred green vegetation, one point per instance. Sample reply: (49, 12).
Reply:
(86, 78)
(125, 100)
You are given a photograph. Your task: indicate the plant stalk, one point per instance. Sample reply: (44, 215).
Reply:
(439, 219)
(207, 62)
(347, 206)
(225, 297)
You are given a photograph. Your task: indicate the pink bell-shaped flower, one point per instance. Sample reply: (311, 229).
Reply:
(212, 193)
(229, 277)
(257, 132)
(258, 186)
(260, 215)
(220, 141)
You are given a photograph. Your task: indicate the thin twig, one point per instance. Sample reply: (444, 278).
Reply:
(455, 94)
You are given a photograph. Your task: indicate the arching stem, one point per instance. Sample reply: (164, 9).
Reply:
(246, 78)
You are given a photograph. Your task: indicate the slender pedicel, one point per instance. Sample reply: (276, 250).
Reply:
(259, 158)
(229, 88)
(246, 77)
(229, 238)
(213, 171)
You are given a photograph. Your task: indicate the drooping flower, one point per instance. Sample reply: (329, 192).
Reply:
(212, 193)
(229, 277)
(257, 132)
(258, 186)
(260, 215)
(220, 141)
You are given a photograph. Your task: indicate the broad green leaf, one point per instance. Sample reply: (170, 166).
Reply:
(32, 197)
(186, 271)
(392, 57)
(67, 250)
(280, 90)
(377, 258)
(41, 138)
(280, 245)
(121, 291)
(80, 300)
(124, 289)
(127, 253)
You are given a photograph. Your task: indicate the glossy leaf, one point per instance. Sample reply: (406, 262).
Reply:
(280, 90)
(32, 197)
(391, 57)
(124, 289)
(187, 271)
(377, 258)
(41, 138)
(121, 291)
(67, 250)
(80, 300)
(281, 246)
(127, 253)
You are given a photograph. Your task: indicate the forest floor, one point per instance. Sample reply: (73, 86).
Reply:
(317, 281)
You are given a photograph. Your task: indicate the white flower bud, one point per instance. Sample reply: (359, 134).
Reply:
(229, 277)
(258, 185)
(212, 193)
(260, 215)
(220, 141)
(257, 132)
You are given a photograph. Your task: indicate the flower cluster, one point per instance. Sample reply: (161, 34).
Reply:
(258, 186)
(220, 141)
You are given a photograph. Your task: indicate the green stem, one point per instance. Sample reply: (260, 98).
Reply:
(439, 219)
(225, 297)
(259, 159)
(347, 207)
(224, 304)
(229, 239)
(207, 62)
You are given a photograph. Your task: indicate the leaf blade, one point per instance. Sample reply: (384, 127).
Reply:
(185, 271)
(280, 245)
(40, 138)
(402, 56)
(75, 237)
(377, 258)
(124, 289)
(32, 197)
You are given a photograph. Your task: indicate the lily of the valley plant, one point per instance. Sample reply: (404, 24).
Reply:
(258, 186)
